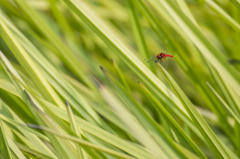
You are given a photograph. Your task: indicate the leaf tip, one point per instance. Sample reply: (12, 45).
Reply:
(67, 104)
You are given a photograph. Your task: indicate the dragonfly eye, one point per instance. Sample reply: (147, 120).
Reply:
(158, 56)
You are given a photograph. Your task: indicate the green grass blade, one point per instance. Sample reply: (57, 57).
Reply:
(139, 37)
(223, 15)
(28, 151)
(121, 76)
(4, 145)
(167, 144)
(135, 127)
(58, 82)
(81, 153)
(118, 46)
(17, 80)
(235, 116)
(215, 144)
(15, 149)
(236, 3)
(208, 50)
(46, 120)
(224, 90)
(29, 66)
(184, 139)
(82, 142)
(170, 44)
(128, 147)
(67, 56)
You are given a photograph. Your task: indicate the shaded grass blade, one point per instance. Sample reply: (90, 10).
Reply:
(81, 153)
(80, 141)
(215, 144)
(4, 145)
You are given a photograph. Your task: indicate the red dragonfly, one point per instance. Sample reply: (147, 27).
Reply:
(161, 57)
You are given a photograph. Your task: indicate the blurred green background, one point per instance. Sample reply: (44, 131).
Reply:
(54, 50)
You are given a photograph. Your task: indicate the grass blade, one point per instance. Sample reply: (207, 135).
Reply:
(81, 153)
(4, 145)
(216, 145)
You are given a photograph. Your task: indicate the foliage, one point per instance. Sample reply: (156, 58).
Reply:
(91, 55)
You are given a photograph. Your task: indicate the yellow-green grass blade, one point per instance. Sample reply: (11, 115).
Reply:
(185, 9)
(80, 141)
(121, 76)
(104, 32)
(80, 150)
(132, 123)
(70, 150)
(15, 149)
(66, 55)
(59, 147)
(128, 147)
(96, 131)
(230, 111)
(163, 32)
(215, 144)
(216, 8)
(125, 54)
(62, 86)
(82, 89)
(208, 50)
(224, 90)
(145, 119)
(28, 65)
(139, 37)
(30, 152)
(64, 24)
(23, 130)
(30, 139)
(4, 144)
(184, 63)
(228, 96)
(183, 138)
(186, 152)
(187, 64)
(173, 48)
(6, 84)
(236, 3)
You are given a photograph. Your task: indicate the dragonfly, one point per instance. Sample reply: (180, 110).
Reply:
(161, 57)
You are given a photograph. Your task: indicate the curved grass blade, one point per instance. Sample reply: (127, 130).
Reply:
(134, 150)
(236, 3)
(106, 34)
(139, 37)
(80, 141)
(30, 152)
(135, 127)
(5, 151)
(56, 80)
(81, 153)
(184, 139)
(59, 147)
(29, 66)
(223, 15)
(208, 50)
(235, 116)
(215, 144)
(66, 55)
(96, 131)
(167, 144)
(15, 149)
